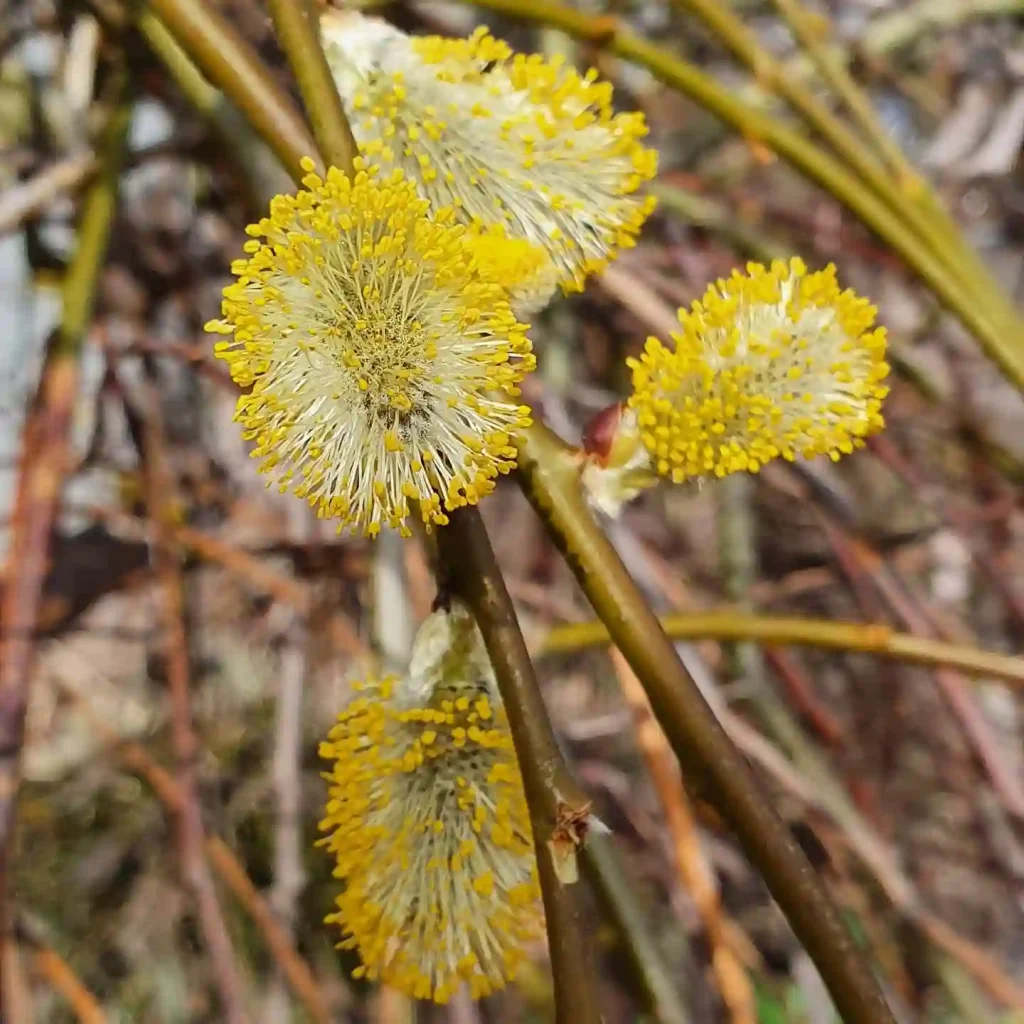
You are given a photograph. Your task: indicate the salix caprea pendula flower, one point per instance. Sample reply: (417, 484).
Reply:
(777, 362)
(515, 139)
(428, 823)
(381, 353)
(774, 362)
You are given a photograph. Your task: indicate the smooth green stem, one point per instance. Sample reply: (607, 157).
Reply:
(809, 31)
(898, 195)
(558, 810)
(79, 288)
(778, 631)
(549, 477)
(814, 162)
(297, 34)
(262, 172)
(230, 64)
(910, 193)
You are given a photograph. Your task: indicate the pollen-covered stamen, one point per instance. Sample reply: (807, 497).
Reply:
(517, 139)
(774, 363)
(381, 351)
(428, 823)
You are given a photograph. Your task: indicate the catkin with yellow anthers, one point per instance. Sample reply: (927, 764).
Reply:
(777, 362)
(428, 823)
(380, 351)
(519, 140)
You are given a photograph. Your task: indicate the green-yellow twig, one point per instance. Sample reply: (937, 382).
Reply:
(911, 194)
(777, 631)
(229, 63)
(1002, 345)
(549, 476)
(293, 21)
(811, 31)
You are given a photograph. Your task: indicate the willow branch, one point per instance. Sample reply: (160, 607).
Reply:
(911, 192)
(558, 810)
(228, 61)
(293, 21)
(778, 631)
(549, 477)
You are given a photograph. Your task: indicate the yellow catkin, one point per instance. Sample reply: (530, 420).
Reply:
(777, 362)
(428, 824)
(380, 352)
(514, 139)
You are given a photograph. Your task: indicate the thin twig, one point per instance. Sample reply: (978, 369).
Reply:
(49, 964)
(810, 30)
(907, 195)
(44, 461)
(297, 34)
(694, 873)
(653, 975)
(558, 810)
(549, 477)
(229, 62)
(778, 631)
(158, 486)
(23, 201)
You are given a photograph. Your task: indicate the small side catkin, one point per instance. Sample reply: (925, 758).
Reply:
(428, 823)
(773, 363)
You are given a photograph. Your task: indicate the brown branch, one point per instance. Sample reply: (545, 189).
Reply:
(158, 486)
(56, 972)
(558, 810)
(45, 459)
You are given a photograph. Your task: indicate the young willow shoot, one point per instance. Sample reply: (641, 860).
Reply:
(429, 824)
(777, 362)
